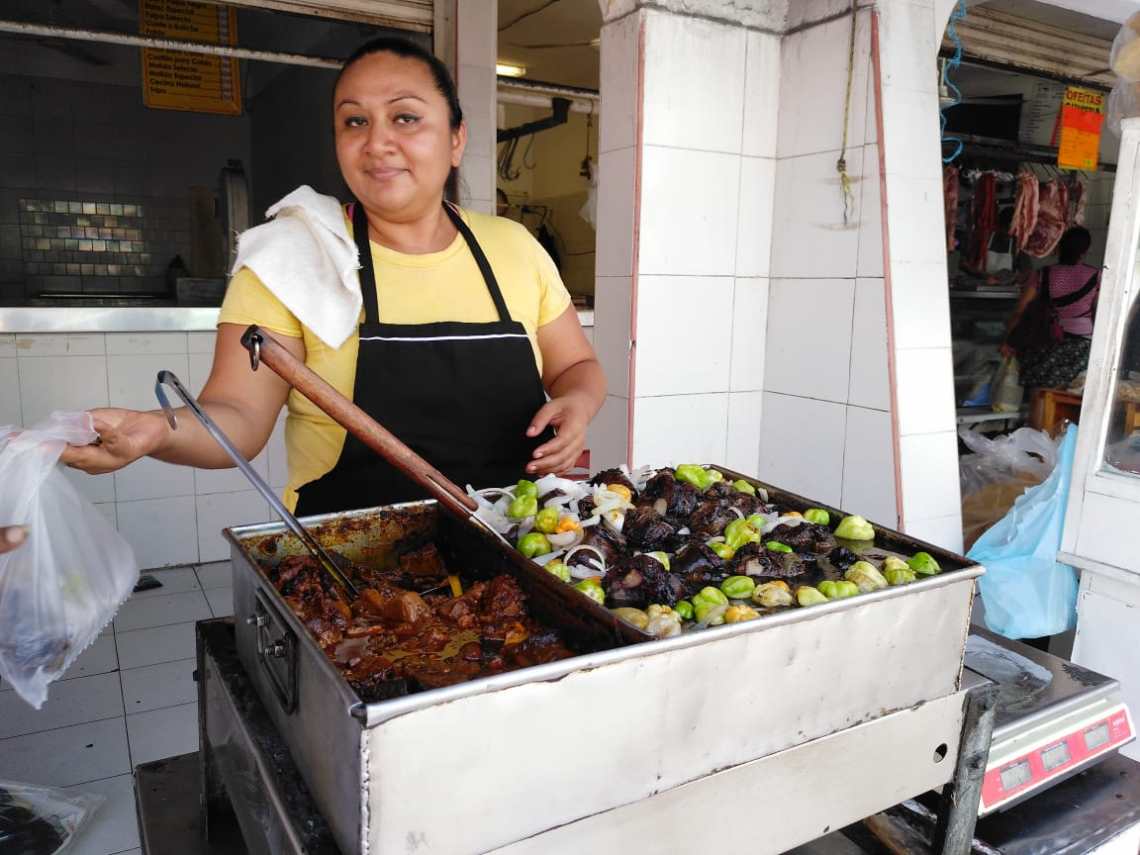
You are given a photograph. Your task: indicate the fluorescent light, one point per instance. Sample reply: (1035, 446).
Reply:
(504, 69)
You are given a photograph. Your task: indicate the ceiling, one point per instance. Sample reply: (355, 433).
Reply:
(1066, 15)
(551, 39)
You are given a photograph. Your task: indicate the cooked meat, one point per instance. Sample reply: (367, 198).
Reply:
(805, 537)
(842, 557)
(673, 499)
(752, 559)
(647, 530)
(391, 640)
(711, 517)
(747, 505)
(423, 562)
(641, 581)
(605, 540)
(697, 566)
(614, 476)
(719, 490)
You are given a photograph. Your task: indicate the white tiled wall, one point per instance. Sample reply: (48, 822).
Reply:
(169, 514)
(476, 48)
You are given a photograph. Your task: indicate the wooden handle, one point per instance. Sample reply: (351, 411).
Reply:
(263, 348)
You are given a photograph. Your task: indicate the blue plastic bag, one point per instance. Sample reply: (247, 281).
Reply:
(1026, 592)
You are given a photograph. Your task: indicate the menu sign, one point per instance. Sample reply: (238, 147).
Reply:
(1082, 114)
(198, 82)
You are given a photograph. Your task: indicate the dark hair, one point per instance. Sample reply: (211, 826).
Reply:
(411, 50)
(1075, 242)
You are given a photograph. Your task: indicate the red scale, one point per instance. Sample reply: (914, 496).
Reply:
(1054, 719)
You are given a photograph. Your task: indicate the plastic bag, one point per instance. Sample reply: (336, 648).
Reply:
(1000, 470)
(1026, 592)
(1007, 391)
(1124, 57)
(39, 820)
(1123, 103)
(65, 584)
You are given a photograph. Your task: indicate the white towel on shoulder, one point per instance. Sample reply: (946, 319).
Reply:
(305, 256)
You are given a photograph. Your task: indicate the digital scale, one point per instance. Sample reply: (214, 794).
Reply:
(1054, 719)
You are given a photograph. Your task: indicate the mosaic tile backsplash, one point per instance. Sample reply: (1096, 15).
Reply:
(88, 246)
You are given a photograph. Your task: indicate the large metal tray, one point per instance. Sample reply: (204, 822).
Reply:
(476, 766)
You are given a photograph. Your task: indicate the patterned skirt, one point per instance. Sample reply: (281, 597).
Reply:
(1057, 366)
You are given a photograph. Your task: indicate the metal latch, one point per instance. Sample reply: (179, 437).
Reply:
(276, 650)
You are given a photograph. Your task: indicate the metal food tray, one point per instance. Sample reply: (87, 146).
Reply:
(492, 761)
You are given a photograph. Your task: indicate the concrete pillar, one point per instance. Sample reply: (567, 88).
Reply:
(476, 48)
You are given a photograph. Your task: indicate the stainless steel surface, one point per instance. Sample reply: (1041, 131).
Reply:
(611, 728)
(328, 564)
(779, 801)
(116, 318)
(26, 28)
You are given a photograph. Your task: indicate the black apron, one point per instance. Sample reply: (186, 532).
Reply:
(460, 394)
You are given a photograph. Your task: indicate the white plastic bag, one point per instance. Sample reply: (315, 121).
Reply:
(1006, 392)
(66, 582)
(40, 820)
(1124, 58)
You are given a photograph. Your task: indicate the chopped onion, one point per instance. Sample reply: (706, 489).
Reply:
(736, 511)
(792, 521)
(594, 520)
(557, 502)
(761, 494)
(683, 531)
(615, 519)
(491, 490)
(525, 527)
(661, 506)
(717, 539)
(543, 560)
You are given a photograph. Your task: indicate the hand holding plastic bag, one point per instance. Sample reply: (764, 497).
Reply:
(61, 587)
(1026, 592)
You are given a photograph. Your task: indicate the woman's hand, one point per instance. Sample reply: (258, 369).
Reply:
(569, 415)
(124, 437)
(12, 536)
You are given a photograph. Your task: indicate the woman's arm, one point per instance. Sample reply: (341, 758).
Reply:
(244, 404)
(577, 389)
(1028, 295)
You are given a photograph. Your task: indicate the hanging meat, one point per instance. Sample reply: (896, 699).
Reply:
(950, 199)
(1078, 198)
(1025, 208)
(1052, 215)
(985, 217)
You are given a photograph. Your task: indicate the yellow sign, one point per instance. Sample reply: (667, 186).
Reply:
(1082, 114)
(198, 82)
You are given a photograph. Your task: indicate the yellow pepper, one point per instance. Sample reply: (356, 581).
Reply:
(568, 523)
(620, 490)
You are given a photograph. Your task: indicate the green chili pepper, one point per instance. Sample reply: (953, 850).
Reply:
(742, 486)
(923, 564)
(685, 609)
(690, 473)
(855, 528)
(723, 550)
(592, 588)
(546, 520)
(712, 476)
(557, 568)
(806, 595)
(662, 558)
(838, 590)
(523, 507)
(534, 544)
(737, 587)
(866, 575)
(739, 532)
(710, 595)
(818, 516)
(776, 546)
(893, 563)
(757, 521)
(899, 576)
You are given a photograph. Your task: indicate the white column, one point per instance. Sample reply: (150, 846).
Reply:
(475, 54)
(686, 148)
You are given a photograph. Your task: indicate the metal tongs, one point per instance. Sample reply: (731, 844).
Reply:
(263, 348)
(167, 378)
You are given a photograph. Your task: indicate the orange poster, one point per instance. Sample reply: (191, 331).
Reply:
(1082, 114)
(198, 82)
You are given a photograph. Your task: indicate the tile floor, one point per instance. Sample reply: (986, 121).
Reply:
(129, 699)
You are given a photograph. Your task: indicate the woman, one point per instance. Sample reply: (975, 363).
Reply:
(1072, 289)
(465, 325)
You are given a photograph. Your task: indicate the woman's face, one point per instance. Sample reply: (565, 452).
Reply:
(394, 141)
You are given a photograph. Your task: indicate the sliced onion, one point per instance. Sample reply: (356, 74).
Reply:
(543, 560)
(792, 521)
(762, 494)
(736, 511)
(565, 539)
(526, 527)
(683, 531)
(717, 539)
(594, 520)
(579, 571)
(557, 502)
(615, 520)
(492, 490)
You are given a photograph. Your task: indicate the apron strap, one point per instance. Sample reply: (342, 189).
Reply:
(481, 260)
(367, 269)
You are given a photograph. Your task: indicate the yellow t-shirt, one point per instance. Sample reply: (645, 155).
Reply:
(413, 289)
